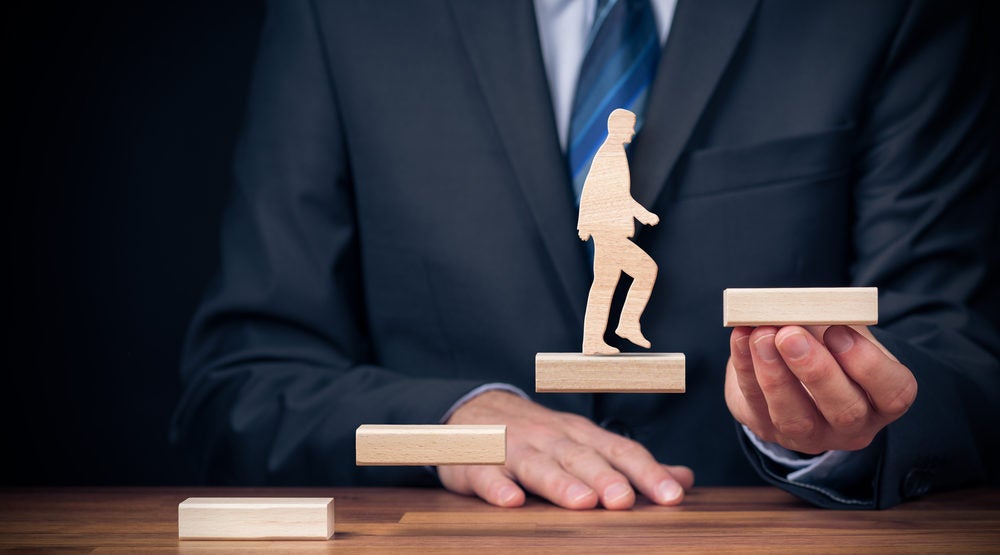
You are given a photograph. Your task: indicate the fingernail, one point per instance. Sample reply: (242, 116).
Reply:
(507, 494)
(743, 345)
(669, 491)
(838, 339)
(795, 346)
(766, 349)
(614, 492)
(577, 492)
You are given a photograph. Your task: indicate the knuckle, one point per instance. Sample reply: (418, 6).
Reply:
(798, 427)
(810, 373)
(536, 429)
(852, 416)
(772, 382)
(579, 424)
(575, 456)
(753, 395)
(903, 400)
(529, 460)
(606, 477)
(625, 449)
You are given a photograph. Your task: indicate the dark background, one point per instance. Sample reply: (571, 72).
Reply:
(119, 123)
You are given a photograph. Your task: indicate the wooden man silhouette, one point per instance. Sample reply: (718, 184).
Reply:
(607, 211)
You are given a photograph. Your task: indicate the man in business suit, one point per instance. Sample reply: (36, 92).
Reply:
(400, 243)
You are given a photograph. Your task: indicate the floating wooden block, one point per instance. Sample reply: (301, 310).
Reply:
(255, 518)
(418, 445)
(800, 305)
(621, 373)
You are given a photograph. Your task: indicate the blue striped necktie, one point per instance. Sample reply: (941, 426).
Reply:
(623, 50)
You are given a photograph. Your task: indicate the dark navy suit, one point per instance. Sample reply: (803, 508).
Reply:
(403, 230)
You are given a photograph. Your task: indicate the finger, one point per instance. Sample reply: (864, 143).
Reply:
(792, 411)
(653, 479)
(842, 403)
(734, 397)
(587, 464)
(491, 483)
(890, 385)
(754, 405)
(683, 475)
(494, 486)
(867, 334)
(541, 474)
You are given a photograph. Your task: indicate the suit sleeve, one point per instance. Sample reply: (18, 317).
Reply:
(927, 207)
(277, 367)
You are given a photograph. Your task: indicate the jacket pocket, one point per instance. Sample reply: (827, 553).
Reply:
(805, 157)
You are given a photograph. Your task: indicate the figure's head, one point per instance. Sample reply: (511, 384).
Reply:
(621, 126)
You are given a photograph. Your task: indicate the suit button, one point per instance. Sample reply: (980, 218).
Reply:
(917, 483)
(616, 426)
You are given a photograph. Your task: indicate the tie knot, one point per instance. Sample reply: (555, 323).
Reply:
(623, 51)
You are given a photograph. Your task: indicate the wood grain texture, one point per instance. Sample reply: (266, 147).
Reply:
(621, 373)
(607, 215)
(422, 520)
(255, 518)
(800, 305)
(420, 445)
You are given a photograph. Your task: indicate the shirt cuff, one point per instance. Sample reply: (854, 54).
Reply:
(497, 386)
(845, 476)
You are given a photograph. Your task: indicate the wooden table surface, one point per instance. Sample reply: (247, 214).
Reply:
(714, 520)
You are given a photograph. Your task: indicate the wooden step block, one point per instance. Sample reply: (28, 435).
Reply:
(433, 445)
(255, 518)
(620, 373)
(800, 305)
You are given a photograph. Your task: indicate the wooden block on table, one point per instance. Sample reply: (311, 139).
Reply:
(419, 445)
(255, 518)
(800, 305)
(620, 373)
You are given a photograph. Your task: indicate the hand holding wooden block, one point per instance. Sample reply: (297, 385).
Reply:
(253, 518)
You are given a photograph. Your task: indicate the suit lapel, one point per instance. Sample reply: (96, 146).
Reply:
(703, 38)
(501, 39)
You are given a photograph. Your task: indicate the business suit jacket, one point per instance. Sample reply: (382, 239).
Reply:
(402, 229)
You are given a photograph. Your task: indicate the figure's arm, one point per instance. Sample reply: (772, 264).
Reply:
(644, 216)
(277, 367)
(926, 208)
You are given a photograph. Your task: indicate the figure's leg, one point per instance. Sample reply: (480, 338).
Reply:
(642, 268)
(595, 322)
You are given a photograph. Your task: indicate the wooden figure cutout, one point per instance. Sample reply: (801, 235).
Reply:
(607, 214)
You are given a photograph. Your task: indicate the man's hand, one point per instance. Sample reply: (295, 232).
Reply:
(648, 218)
(562, 457)
(584, 235)
(816, 389)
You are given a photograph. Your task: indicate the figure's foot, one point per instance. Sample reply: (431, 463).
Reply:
(633, 334)
(598, 348)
